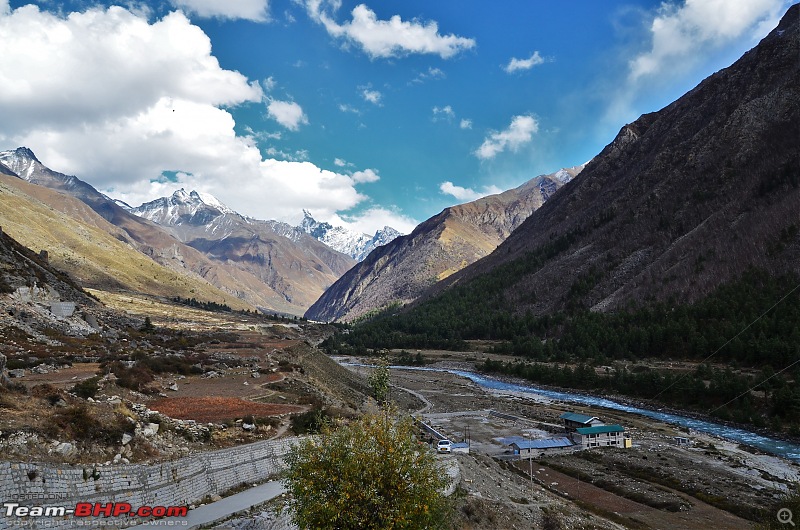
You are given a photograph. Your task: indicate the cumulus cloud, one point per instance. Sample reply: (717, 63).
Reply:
(287, 113)
(4, 7)
(389, 38)
(465, 124)
(368, 175)
(518, 133)
(371, 96)
(680, 32)
(163, 110)
(255, 10)
(524, 64)
(467, 194)
(375, 218)
(55, 71)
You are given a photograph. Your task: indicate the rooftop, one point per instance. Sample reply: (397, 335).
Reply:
(545, 443)
(600, 429)
(578, 418)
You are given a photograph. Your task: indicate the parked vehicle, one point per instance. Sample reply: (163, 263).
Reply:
(443, 446)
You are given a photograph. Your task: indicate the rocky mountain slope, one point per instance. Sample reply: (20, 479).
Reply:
(288, 261)
(444, 244)
(90, 249)
(231, 271)
(354, 244)
(683, 200)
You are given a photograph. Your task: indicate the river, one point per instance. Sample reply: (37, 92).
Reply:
(766, 444)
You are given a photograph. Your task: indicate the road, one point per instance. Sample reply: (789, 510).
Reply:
(216, 511)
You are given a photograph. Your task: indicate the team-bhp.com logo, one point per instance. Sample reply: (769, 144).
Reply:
(96, 509)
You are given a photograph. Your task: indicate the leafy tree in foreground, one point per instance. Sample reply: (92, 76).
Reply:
(369, 474)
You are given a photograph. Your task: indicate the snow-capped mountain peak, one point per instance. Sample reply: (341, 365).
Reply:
(194, 208)
(21, 161)
(357, 245)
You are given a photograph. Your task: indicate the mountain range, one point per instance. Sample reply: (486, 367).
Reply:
(293, 264)
(260, 269)
(399, 272)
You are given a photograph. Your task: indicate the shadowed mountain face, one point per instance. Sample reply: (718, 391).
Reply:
(680, 202)
(444, 244)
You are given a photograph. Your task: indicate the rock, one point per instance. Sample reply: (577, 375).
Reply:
(115, 400)
(151, 429)
(3, 374)
(66, 449)
(19, 372)
(117, 459)
(255, 375)
(126, 438)
(173, 387)
(248, 426)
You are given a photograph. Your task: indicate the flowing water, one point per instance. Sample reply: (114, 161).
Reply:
(773, 446)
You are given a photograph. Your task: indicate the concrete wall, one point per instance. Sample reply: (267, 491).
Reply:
(177, 483)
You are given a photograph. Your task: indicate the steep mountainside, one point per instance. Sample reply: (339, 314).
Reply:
(460, 235)
(89, 248)
(251, 286)
(354, 244)
(680, 202)
(288, 261)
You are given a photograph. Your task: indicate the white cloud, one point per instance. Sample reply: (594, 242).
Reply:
(371, 96)
(467, 194)
(445, 112)
(519, 132)
(368, 175)
(375, 218)
(465, 124)
(432, 73)
(161, 110)
(349, 108)
(389, 38)
(255, 10)
(269, 83)
(524, 64)
(4, 7)
(287, 113)
(55, 71)
(339, 162)
(681, 34)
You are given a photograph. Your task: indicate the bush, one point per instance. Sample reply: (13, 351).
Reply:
(87, 388)
(369, 474)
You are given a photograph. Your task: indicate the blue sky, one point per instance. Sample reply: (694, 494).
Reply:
(363, 113)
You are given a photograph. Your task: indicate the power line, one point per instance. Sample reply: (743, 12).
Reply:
(682, 377)
(754, 387)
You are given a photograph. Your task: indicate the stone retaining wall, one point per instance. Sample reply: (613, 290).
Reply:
(180, 482)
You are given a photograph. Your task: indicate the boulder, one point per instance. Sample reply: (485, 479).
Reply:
(3, 374)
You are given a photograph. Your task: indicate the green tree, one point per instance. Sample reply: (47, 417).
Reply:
(379, 381)
(368, 474)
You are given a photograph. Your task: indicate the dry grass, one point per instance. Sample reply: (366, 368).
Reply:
(219, 409)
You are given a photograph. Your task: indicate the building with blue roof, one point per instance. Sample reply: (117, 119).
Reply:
(573, 421)
(529, 447)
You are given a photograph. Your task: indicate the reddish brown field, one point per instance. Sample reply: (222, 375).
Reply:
(219, 409)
